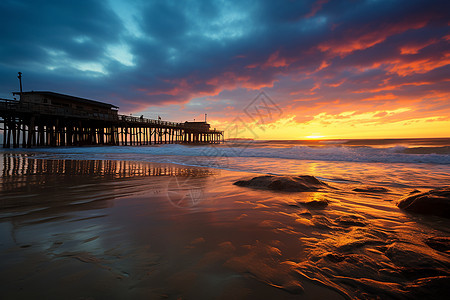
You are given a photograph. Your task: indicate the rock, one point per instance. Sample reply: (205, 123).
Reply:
(305, 213)
(429, 288)
(435, 202)
(414, 192)
(284, 183)
(415, 273)
(334, 257)
(351, 220)
(316, 204)
(371, 189)
(441, 244)
(414, 257)
(293, 287)
(321, 222)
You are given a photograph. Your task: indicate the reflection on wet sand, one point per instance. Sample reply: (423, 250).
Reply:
(20, 168)
(31, 188)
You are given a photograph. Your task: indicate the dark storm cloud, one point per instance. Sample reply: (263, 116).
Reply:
(178, 50)
(31, 27)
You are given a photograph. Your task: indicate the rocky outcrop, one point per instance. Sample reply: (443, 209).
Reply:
(284, 183)
(435, 202)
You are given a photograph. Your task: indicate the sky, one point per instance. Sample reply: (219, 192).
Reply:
(258, 69)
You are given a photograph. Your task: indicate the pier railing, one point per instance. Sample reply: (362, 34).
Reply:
(149, 121)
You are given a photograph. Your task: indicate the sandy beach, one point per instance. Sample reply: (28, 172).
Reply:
(103, 229)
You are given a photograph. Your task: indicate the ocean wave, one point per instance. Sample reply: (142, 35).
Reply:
(428, 150)
(396, 154)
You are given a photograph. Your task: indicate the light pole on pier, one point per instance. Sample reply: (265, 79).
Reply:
(20, 82)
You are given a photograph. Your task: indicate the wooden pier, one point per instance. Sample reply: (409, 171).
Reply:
(41, 119)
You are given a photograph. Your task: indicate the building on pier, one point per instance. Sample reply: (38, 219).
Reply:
(71, 104)
(51, 119)
(197, 125)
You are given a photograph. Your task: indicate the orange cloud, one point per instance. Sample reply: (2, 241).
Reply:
(317, 6)
(392, 87)
(322, 66)
(275, 61)
(421, 66)
(415, 48)
(337, 84)
(380, 97)
(361, 39)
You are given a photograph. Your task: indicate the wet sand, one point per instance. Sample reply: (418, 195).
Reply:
(133, 230)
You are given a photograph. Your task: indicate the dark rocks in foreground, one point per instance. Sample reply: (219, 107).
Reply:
(284, 183)
(434, 202)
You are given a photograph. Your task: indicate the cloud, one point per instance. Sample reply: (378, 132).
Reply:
(309, 56)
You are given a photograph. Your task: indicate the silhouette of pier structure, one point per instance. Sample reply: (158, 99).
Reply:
(42, 118)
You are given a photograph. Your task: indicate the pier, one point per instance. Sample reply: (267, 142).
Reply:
(48, 119)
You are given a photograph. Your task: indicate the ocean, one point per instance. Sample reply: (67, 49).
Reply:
(403, 162)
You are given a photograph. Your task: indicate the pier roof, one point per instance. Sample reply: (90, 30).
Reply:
(68, 98)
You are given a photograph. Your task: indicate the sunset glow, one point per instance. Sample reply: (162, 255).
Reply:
(314, 137)
(365, 69)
